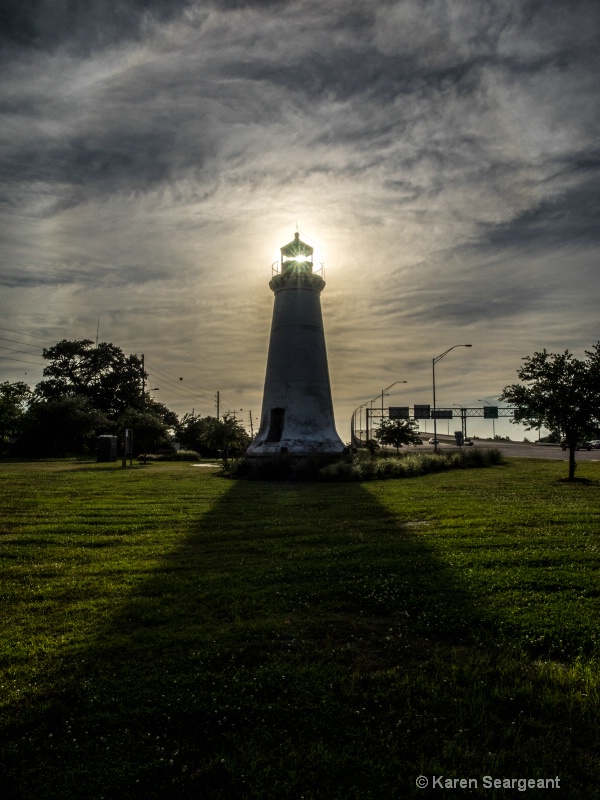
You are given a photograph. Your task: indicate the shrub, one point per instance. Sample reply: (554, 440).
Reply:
(341, 471)
(363, 467)
(410, 465)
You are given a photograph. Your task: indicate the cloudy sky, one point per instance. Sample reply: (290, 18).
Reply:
(443, 155)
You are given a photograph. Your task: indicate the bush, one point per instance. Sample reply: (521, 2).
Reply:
(341, 471)
(363, 467)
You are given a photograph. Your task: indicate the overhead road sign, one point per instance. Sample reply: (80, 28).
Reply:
(399, 412)
(422, 412)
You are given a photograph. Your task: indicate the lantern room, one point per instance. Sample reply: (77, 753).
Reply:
(297, 256)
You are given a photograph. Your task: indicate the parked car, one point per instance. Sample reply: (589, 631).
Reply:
(595, 444)
(434, 441)
(468, 443)
(578, 446)
(417, 441)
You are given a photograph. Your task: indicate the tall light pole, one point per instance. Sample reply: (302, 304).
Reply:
(434, 362)
(383, 391)
(367, 413)
(353, 436)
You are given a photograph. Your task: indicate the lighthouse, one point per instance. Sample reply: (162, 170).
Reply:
(297, 410)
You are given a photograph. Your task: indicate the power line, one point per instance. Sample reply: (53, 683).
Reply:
(174, 391)
(31, 335)
(190, 390)
(181, 390)
(13, 350)
(171, 375)
(22, 360)
(179, 383)
(224, 404)
(18, 341)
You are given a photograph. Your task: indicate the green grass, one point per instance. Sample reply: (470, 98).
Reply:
(169, 633)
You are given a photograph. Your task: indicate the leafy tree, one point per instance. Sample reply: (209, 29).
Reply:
(14, 400)
(60, 427)
(104, 375)
(150, 433)
(211, 436)
(560, 392)
(397, 432)
(111, 383)
(160, 410)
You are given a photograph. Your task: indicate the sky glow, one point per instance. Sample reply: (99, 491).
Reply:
(444, 154)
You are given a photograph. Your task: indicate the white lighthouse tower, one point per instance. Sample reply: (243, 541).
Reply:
(297, 410)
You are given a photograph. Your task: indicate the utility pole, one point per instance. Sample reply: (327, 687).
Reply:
(143, 385)
(251, 427)
(144, 400)
(218, 401)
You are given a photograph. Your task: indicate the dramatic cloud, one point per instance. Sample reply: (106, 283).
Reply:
(443, 154)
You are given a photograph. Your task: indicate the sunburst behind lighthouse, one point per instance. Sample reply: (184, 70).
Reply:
(297, 410)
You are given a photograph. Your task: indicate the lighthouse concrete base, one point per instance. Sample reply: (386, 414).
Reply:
(297, 449)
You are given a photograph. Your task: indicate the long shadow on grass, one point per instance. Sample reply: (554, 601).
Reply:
(301, 642)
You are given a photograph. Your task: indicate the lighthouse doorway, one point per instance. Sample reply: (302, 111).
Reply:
(276, 425)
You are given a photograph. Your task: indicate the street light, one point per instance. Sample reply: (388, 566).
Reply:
(353, 436)
(371, 401)
(493, 419)
(383, 391)
(367, 413)
(434, 362)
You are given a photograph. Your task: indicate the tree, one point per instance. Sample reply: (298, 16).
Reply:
(211, 436)
(560, 392)
(397, 432)
(60, 427)
(150, 433)
(111, 381)
(14, 400)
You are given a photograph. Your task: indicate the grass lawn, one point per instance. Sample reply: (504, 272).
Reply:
(169, 633)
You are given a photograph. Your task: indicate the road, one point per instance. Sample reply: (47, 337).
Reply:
(518, 449)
